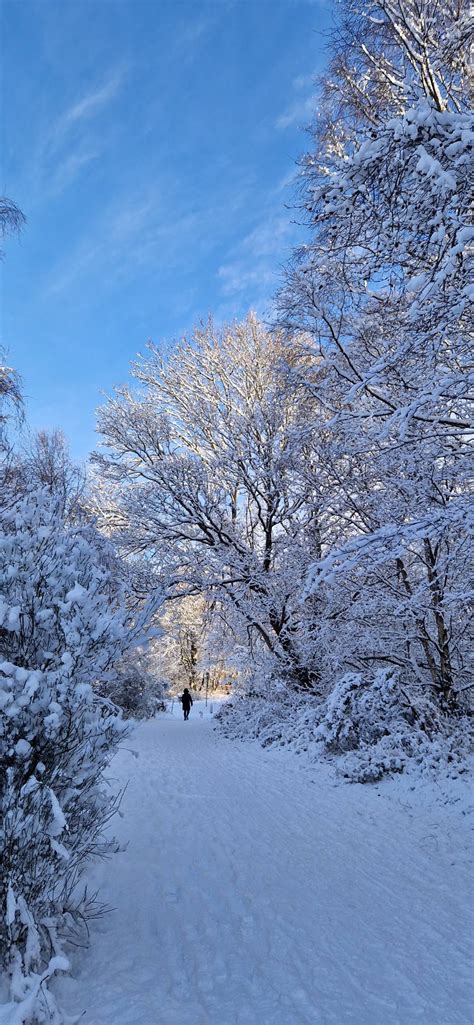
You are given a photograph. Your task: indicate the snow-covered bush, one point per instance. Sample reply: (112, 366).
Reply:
(63, 625)
(137, 687)
(278, 717)
(361, 711)
(377, 719)
(447, 752)
(370, 726)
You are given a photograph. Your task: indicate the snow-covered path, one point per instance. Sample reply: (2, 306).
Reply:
(256, 890)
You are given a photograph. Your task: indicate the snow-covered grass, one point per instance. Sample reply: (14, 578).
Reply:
(257, 888)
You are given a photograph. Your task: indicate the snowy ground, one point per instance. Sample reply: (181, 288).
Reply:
(257, 890)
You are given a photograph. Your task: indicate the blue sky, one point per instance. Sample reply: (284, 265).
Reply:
(150, 146)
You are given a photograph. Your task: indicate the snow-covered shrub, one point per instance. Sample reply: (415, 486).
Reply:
(63, 625)
(277, 717)
(448, 752)
(371, 726)
(137, 688)
(381, 729)
(361, 711)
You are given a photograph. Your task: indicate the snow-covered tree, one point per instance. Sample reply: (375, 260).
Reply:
(47, 461)
(63, 627)
(179, 651)
(11, 219)
(382, 289)
(10, 401)
(203, 469)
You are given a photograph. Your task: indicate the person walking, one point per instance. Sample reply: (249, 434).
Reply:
(186, 701)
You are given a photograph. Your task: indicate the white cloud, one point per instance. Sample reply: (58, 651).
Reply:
(69, 168)
(136, 233)
(150, 229)
(91, 103)
(237, 277)
(298, 113)
(70, 141)
(250, 276)
(303, 81)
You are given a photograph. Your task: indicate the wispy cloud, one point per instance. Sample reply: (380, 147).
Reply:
(68, 169)
(91, 103)
(238, 278)
(70, 141)
(119, 239)
(137, 235)
(303, 81)
(152, 230)
(301, 108)
(298, 113)
(193, 31)
(250, 276)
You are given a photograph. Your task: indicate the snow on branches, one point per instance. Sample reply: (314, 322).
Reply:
(204, 475)
(383, 291)
(63, 626)
(312, 483)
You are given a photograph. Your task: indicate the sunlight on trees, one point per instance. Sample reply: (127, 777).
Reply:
(284, 508)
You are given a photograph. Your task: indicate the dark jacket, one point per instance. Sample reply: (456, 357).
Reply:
(186, 700)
